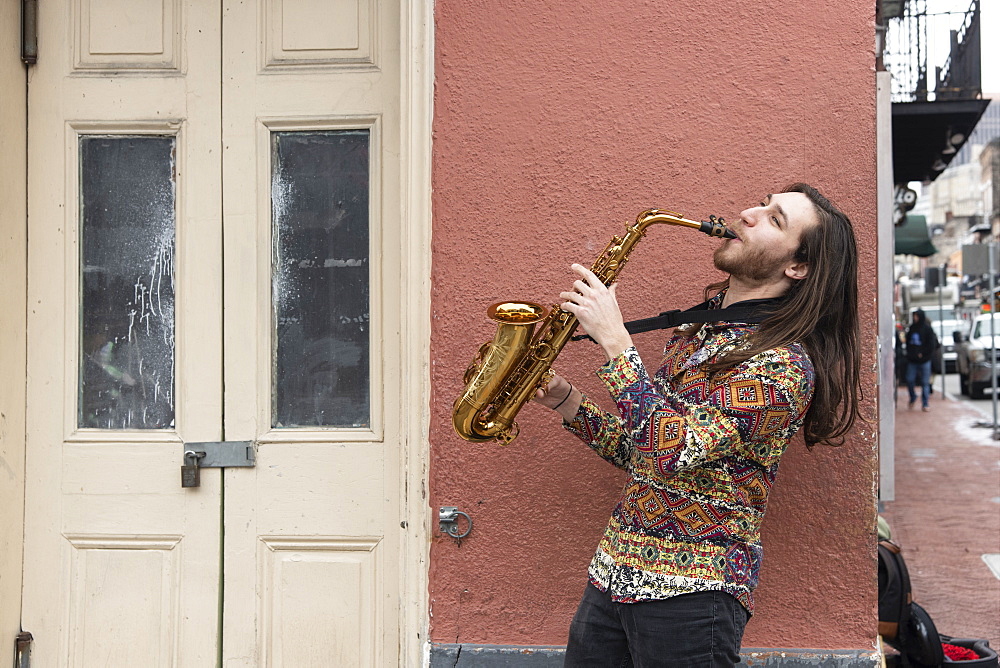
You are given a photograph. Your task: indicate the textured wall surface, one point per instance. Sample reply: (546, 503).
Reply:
(557, 122)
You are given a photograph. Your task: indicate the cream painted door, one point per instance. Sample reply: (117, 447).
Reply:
(124, 330)
(313, 297)
(214, 254)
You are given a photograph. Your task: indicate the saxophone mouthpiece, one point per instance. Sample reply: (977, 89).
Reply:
(716, 227)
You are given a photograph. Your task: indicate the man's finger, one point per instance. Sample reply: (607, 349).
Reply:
(569, 296)
(589, 276)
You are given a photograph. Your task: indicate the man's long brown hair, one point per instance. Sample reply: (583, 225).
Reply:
(819, 311)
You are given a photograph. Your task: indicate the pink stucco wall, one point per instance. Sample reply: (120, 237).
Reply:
(556, 123)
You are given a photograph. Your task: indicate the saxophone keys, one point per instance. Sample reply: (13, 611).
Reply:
(543, 351)
(505, 436)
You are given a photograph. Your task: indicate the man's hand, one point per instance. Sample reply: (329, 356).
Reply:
(596, 307)
(560, 396)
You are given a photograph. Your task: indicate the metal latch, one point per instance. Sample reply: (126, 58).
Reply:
(214, 454)
(223, 454)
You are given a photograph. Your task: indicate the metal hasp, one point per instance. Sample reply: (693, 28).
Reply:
(448, 522)
(223, 454)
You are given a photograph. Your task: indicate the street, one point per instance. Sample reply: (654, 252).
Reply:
(984, 406)
(944, 510)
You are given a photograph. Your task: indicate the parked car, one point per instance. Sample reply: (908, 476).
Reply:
(945, 330)
(975, 356)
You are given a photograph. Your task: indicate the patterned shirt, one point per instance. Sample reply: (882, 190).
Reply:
(702, 453)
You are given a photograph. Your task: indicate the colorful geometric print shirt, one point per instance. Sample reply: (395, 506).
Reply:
(702, 453)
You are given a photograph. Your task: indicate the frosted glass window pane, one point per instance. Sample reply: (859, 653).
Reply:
(127, 282)
(320, 279)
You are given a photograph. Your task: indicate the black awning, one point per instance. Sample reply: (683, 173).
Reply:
(919, 133)
(912, 238)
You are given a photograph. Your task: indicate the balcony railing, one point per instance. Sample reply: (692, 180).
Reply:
(924, 34)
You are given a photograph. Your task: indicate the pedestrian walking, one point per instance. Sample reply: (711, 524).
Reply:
(921, 346)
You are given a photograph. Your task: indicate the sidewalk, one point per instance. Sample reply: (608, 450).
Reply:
(946, 514)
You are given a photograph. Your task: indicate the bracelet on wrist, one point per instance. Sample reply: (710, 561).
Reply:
(564, 398)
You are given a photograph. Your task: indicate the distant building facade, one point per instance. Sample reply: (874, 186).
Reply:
(960, 204)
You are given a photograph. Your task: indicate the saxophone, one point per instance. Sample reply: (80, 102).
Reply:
(507, 371)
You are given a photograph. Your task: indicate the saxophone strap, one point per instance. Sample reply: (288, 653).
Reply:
(751, 311)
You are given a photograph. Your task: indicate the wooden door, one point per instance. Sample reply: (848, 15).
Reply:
(312, 332)
(124, 353)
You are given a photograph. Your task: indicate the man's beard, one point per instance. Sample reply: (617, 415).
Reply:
(752, 264)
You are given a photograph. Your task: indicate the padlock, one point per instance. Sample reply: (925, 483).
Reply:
(191, 469)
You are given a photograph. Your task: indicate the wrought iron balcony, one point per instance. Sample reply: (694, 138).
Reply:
(912, 28)
(933, 111)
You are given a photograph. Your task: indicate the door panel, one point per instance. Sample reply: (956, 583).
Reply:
(312, 210)
(124, 353)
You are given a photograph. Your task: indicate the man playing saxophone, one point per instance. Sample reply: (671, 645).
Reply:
(672, 580)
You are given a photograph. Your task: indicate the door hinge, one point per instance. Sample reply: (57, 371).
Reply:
(22, 650)
(29, 32)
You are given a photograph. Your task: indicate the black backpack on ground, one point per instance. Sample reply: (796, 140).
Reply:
(902, 623)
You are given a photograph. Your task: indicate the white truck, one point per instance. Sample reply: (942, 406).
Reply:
(975, 356)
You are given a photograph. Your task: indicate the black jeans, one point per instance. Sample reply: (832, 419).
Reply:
(701, 630)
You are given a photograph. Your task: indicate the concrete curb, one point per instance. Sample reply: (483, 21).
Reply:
(514, 656)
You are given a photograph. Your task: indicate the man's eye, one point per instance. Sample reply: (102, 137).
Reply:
(774, 219)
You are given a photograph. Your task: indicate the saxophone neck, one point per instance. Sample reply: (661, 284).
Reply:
(713, 227)
(658, 216)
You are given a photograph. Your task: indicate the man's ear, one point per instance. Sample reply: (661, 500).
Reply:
(797, 271)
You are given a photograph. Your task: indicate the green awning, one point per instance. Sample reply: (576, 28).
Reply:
(912, 237)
